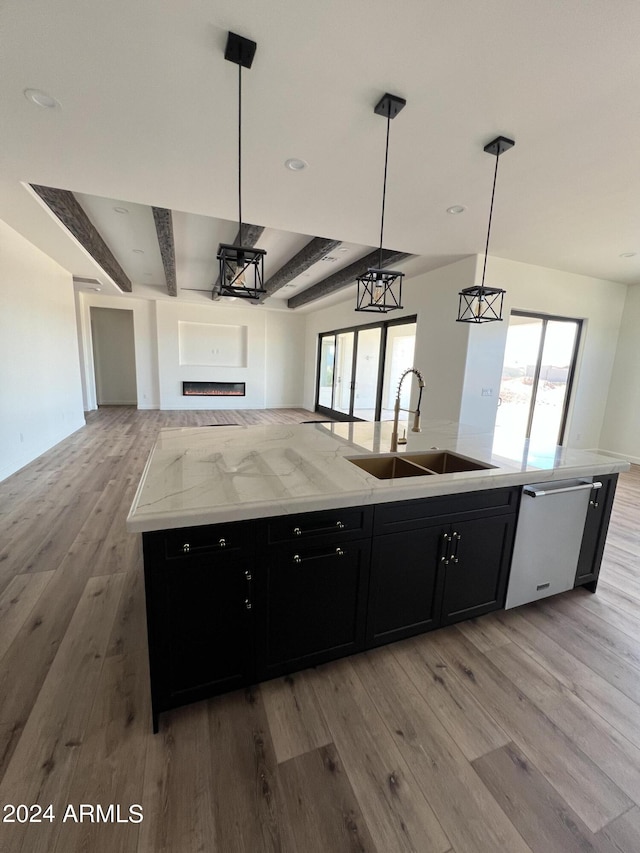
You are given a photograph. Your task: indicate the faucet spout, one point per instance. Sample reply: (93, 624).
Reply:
(396, 409)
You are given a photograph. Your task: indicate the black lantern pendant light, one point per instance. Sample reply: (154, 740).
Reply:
(241, 267)
(484, 304)
(380, 290)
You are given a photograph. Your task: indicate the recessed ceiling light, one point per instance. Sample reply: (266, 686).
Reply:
(97, 289)
(41, 99)
(121, 210)
(456, 209)
(295, 164)
(138, 251)
(628, 254)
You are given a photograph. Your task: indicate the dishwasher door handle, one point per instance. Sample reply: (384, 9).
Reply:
(542, 493)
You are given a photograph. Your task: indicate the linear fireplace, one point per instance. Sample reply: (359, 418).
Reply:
(213, 389)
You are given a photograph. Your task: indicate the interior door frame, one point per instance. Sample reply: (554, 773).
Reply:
(383, 326)
(545, 318)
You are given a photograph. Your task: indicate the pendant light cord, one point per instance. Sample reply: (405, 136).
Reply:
(240, 153)
(486, 248)
(384, 184)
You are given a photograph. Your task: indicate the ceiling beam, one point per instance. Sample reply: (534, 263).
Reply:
(247, 236)
(67, 209)
(345, 277)
(164, 229)
(306, 257)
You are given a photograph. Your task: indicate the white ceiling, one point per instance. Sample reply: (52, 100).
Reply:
(148, 117)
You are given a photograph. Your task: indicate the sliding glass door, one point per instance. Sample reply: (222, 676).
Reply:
(359, 369)
(539, 363)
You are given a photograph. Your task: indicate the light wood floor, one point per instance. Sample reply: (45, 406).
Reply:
(517, 732)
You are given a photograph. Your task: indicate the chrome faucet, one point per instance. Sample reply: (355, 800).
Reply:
(397, 409)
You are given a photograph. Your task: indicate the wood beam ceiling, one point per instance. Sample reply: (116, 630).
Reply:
(67, 209)
(306, 257)
(247, 236)
(164, 229)
(345, 277)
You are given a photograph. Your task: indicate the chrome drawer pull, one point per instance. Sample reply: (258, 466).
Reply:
(248, 576)
(247, 604)
(222, 543)
(186, 548)
(337, 553)
(297, 531)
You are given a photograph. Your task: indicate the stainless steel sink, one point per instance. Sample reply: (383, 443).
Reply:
(446, 462)
(389, 466)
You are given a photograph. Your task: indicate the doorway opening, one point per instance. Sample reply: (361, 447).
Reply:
(537, 374)
(114, 359)
(359, 369)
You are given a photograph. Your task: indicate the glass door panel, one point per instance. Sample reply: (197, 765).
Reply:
(516, 387)
(325, 376)
(343, 372)
(556, 364)
(539, 360)
(366, 384)
(401, 342)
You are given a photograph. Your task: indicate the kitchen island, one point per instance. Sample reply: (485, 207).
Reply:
(267, 549)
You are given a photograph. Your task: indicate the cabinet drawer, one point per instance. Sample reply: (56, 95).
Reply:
(208, 539)
(409, 515)
(326, 526)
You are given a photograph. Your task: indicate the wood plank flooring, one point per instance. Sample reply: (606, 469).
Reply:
(515, 732)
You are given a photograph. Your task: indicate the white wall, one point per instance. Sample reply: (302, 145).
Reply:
(40, 389)
(114, 356)
(621, 429)
(459, 360)
(285, 344)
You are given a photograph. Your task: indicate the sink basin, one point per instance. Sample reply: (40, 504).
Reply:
(387, 466)
(446, 462)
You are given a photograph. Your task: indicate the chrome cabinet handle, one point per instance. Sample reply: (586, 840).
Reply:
(247, 604)
(186, 547)
(248, 576)
(454, 552)
(297, 531)
(446, 539)
(338, 552)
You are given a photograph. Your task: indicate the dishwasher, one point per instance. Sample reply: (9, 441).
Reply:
(548, 538)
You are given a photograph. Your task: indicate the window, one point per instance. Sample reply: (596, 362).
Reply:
(359, 369)
(538, 368)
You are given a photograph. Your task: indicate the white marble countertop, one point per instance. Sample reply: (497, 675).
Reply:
(208, 475)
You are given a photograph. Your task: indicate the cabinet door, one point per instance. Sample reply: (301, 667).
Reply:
(312, 605)
(595, 532)
(476, 567)
(202, 628)
(404, 587)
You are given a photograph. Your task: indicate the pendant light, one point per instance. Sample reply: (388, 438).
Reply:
(380, 290)
(484, 304)
(241, 267)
